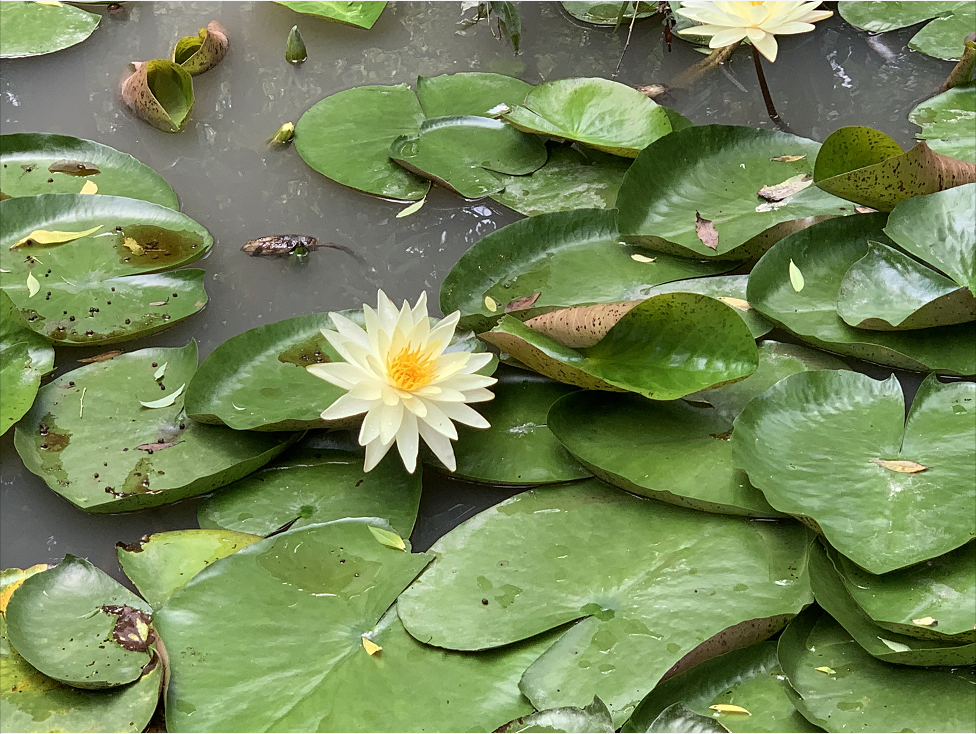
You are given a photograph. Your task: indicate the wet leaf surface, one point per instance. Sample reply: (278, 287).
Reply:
(947, 122)
(943, 37)
(568, 719)
(359, 14)
(32, 29)
(25, 357)
(159, 92)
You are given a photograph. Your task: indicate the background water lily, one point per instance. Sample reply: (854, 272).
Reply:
(398, 374)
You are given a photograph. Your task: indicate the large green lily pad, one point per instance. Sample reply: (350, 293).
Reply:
(603, 114)
(569, 258)
(32, 29)
(358, 14)
(832, 447)
(106, 286)
(519, 448)
(695, 576)
(32, 702)
(713, 174)
(92, 441)
(942, 38)
(469, 93)
(824, 254)
(665, 347)
(841, 688)
(461, 152)
(892, 647)
(258, 671)
(79, 626)
(750, 678)
(313, 484)
(947, 122)
(25, 357)
(41, 163)
(934, 600)
(162, 563)
(677, 451)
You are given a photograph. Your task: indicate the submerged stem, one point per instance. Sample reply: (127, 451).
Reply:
(767, 98)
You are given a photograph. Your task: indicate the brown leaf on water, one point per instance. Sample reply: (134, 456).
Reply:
(281, 245)
(864, 210)
(787, 188)
(901, 466)
(736, 303)
(788, 158)
(706, 231)
(158, 446)
(203, 51)
(521, 304)
(104, 356)
(653, 90)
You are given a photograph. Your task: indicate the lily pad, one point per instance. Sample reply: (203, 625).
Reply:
(823, 254)
(568, 258)
(600, 113)
(159, 92)
(41, 163)
(947, 121)
(750, 677)
(572, 178)
(25, 357)
(892, 647)
(568, 719)
(469, 93)
(678, 719)
(891, 494)
(293, 677)
(665, 347)
(32, 29)
(32, 702)
(106, 286)
(713, 174)
(638, 613)
(203, 51)
(866, 694)
(89, 438)
(678, 451)
(162, 563)
(311, 484)
(358, 14)
(942, 38)
(730, 289)
(868, 167)
(934, 600)
(519, 448)
(79, 626)
(608, 12)
(460, 153)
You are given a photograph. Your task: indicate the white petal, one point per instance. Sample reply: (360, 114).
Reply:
(463, 414)
(375, 451)
(387, 312)
(477, 360)
(439, 444)
(791, 28)
(342, 374)
(390, 418)
(727, 37)
(349, 329)
(447, 395)
(467, 382)
(478, 395)
(390, 395)
(345, 407)
(368, 389)
(370, 430)
(407, 441)
(416, 405)
(766, 43)
(437, 420)
(444, 331)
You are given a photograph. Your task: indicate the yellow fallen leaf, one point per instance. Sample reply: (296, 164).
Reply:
(90, 187)
(828, 671)
(133, 246)
(371, 647)
(900, 466)
(32, 285)
(729, 708)
(735, 303)
(491, 304)
(925, 622)
(53, 237)
(390, 540)
(50, 3)
(895, 646)
(796, 277)
(642, 258)
(415, 207)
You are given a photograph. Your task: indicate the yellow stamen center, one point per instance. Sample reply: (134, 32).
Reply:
(410, 369)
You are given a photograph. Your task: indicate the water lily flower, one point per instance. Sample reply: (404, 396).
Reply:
(760, 22)
(398, 373)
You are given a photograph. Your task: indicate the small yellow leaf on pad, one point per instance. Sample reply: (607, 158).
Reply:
(413, 208)
(389, 539)
(371, 647)
(50, 3)
(729, 708)
(900, 466)
(90, 187)
(828, 671)
(133, 246)
(491, 304)
(642, 258)
(45, 237)
(33, 286)
(796, 277)
(925, 622)
(895, 646)
(735, 303)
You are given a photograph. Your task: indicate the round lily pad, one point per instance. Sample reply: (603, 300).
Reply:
(311, 484)
(100, 280)
(639, 613)
(823, 254)
(162, 563)
(32, 29)
(943, 37)
(568, 258)
(519, 448)
(469, 93)
(603, 114)
(41, 163)
(833, 447)
(839, 687)
(79, 626)
(356, 669)
(677, 451)
(946, 121)
(750, 678)
(697, 192)
(358, 14)
(607, 13)
(25, 357)
(112, 436)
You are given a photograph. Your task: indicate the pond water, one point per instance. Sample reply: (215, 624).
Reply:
(230, 182)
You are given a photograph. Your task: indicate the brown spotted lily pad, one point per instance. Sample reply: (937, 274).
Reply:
(202, 52)
(159, 92)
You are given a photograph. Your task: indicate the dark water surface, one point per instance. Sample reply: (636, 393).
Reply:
(230, 182)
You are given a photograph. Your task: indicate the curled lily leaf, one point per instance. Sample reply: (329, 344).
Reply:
(202, 52)
(159, 92)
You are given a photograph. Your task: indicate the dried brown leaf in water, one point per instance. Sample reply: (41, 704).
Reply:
(736, 303)
(653, 90)
(104, 356)
(203, 51)
(74, 168)
(281, 245)
(706, 231)
(787, 188)
(581, 326)
(520, 304)
(900, 465)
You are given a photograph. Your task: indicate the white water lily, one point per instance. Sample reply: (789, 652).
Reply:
(760, 22)
(398, 373)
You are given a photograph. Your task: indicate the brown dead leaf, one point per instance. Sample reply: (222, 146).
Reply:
(788, 158)
(653, 90)
(706, 231)
(112, 354)
(787, 188)
(722, 436)
(159, 446)
(901, 466)
(736, 303)
(864, 210)
(159, 303)
(521, 304)
(581, 326)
